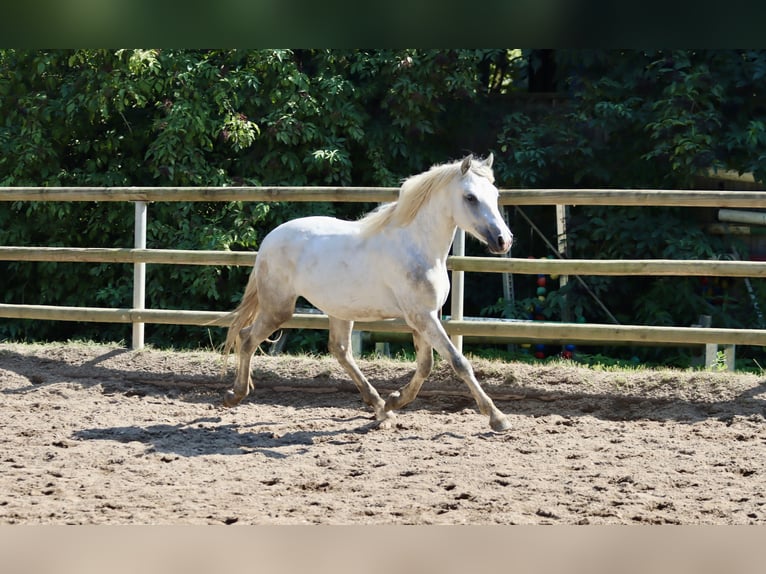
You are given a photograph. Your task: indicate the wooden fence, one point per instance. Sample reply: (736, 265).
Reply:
(456, 325)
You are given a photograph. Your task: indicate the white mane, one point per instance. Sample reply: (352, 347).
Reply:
(416, 190)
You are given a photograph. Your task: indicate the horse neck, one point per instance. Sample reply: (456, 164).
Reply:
(432, 230)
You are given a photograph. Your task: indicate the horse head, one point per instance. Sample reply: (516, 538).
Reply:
(474, 206)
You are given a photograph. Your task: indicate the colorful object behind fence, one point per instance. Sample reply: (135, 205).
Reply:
(536, 314)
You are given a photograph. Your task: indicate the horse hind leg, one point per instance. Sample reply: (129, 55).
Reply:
(249, 339)
(340, 347)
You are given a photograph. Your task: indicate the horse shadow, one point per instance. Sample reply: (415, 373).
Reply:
(207, 436)
(210, 436)
(194, 387)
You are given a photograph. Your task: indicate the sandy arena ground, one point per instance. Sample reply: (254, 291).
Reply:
(99, 434)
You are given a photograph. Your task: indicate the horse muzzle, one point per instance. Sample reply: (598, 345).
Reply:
(499, 243)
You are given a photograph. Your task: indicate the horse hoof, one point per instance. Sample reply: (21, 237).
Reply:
(392, 401)
(500, 423)
(385, 415)
(383, 424)
(230, 399)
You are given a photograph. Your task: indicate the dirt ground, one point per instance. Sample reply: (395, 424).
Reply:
(100, 434)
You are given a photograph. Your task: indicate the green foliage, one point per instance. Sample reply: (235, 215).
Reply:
(203, 118)
(619, 118)
(642, 119)
(645, 118)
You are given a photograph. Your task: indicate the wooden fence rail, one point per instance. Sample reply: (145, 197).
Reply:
(509, 330)
(458, 263)
(621, 267)
(629, 197)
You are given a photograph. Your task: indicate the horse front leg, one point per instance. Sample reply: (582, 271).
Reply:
(340, 347)
(425, 362)
(432, 331)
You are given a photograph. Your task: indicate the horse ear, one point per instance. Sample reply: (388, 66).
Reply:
(489, 160)
(466, 165)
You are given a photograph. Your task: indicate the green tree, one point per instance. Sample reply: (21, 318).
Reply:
(643, 119)
(611, 118)
(204, 117)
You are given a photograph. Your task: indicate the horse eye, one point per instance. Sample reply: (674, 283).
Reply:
(470, 198)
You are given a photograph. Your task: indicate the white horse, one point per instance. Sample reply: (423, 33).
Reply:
(390, 264)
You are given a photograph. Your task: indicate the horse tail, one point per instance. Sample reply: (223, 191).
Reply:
(243, 315)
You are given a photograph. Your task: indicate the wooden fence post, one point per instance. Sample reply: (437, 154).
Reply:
(562, 214)
(458, 286)
(139, 273)
(711, 349)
